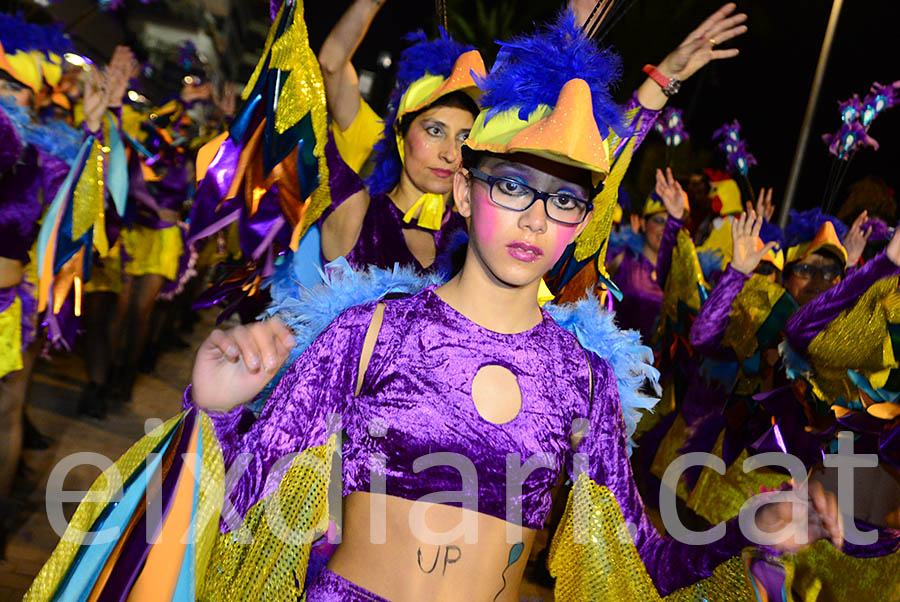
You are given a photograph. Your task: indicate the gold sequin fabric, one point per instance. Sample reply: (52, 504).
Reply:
(87, 202)
(594, 558)
(596, 235)
(266, 558)
(857, 340)
(99, 496)
(11, 338)
(684, 279)
(302, 94)
(822, 573)
(210, 496)
(719, 497)
(749, 311)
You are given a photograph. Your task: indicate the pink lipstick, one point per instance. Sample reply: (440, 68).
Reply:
(524, 251)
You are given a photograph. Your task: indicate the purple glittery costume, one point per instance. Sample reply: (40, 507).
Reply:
(416, 399)
(381, 242)
(641, 295)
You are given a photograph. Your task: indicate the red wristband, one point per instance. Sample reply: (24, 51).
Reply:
(654, 74)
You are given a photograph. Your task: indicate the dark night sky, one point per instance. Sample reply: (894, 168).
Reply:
(766, 88)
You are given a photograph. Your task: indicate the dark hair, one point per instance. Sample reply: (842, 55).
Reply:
(871, 194)
(471, 159)
(6, 77)
(457, 100)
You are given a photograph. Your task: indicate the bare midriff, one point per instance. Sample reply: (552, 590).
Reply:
(426, 551)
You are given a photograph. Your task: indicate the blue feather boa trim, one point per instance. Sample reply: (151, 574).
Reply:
(308, 311)
(55, 138)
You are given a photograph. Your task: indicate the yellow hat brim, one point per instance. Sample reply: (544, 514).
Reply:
(429, 88)
(826, 239)
(566, 133)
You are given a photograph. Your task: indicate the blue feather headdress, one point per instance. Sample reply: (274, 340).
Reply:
(530, 70)
(771, 233)
(56, 138)
(804, 225)
(423, 57)
(17, 34)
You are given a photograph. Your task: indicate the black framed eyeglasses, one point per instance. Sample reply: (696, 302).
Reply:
(806, 271)
(512, 194)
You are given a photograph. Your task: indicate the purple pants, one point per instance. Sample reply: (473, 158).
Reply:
(331, 587)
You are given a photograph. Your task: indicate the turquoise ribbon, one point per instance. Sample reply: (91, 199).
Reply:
(186, 588)
(63, 195)
(117, 168)
(83, 574)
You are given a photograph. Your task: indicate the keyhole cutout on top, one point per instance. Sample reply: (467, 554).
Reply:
(496, 394)
(421, 244)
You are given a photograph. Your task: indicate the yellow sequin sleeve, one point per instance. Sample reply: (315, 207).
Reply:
(355, 144)
(837, 349)
(593, 557)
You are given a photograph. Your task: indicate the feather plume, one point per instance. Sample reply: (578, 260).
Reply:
(625, 238)
(803, 226)
(879, 230)
(530, 70)
(17, 34)
(771, 233)
(55, 138)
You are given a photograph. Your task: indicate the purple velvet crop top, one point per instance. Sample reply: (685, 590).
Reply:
(416, 399)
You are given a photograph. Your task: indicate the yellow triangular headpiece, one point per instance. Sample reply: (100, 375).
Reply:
(566, 133)
(429, 88)
(773, 256)
(825, 238)
(22, 66)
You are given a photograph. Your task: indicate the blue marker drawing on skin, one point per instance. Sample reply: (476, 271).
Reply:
(514, 554)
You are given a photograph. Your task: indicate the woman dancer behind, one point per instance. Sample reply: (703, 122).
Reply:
(431, 112)
(639, 274)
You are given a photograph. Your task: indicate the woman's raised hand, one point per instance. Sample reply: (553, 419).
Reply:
(233, 366)
(674, 198)
(893, 248)
(746, 251)
(699, 47)
(96, 97)
(122, 67)
(764, 205)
